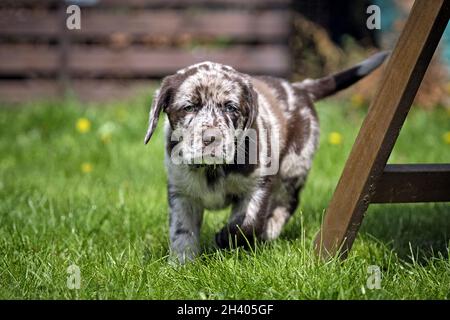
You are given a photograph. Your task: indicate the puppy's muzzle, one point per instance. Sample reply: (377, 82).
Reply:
(212, 137)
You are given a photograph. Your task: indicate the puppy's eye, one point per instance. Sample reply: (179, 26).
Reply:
(230, 107)
(190, 108)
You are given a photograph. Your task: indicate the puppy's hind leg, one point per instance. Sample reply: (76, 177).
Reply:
(283, 206)
(279, 216)
(185, 222)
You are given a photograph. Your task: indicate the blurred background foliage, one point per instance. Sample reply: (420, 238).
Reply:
(330, 35)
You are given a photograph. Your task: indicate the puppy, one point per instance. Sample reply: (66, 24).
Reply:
(239, 140)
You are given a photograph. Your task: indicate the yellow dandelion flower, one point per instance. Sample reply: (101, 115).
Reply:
(357, 100)
(86, 167)
(446, 137)
(335, 138)
(83, 125)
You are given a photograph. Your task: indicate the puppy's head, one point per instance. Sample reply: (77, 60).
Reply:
(206, 105)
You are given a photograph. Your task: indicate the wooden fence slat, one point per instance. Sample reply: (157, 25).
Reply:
(265, 26)
(29, 23)
(28, 59)
(8, 4)
(188, 3)
(85, 61)
(238, 25)
(265, 59)
(27, 90)
(152, 3)
(103, 90)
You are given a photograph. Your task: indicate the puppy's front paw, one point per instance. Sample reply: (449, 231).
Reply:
(232, 237)
(223, 238)
(181, 258)
(182, 252)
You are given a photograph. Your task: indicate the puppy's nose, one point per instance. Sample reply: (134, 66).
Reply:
(208, 138)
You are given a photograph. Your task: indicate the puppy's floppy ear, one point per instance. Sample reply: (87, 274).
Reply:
(251, 106)
(161, 100)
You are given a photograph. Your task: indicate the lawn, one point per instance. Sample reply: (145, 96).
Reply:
(78, 186)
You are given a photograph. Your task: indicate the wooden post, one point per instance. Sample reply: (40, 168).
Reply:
(367, 160)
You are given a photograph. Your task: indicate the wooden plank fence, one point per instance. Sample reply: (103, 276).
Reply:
(126, 43)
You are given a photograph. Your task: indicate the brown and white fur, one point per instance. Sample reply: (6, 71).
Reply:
(217, 100)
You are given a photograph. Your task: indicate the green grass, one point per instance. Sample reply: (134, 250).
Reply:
(112, 222)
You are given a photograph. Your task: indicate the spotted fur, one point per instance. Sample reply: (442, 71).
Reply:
(210, 104)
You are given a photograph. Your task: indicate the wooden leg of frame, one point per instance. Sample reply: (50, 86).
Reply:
(377, 136)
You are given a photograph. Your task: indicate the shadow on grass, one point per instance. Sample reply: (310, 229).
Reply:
(419, 229)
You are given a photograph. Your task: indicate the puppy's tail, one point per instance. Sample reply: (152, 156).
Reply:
(326, 86)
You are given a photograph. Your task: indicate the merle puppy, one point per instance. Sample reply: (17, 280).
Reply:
(239, 140)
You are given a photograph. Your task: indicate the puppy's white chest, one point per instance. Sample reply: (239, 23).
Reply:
(214, 200)
(218, 194)
(215, 193)
(212, 194)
